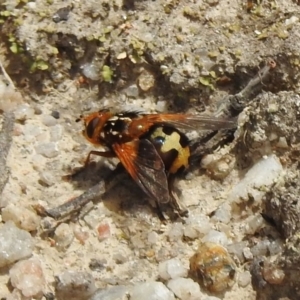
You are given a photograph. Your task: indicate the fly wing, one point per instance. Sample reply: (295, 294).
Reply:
(142, 162)
(192, 122)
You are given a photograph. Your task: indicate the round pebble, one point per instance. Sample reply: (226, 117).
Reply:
(49, 150)
(48, 120)
(23, 217)
(185, 288)
(63, 236)
(151, 291)
(171, 268)
(112, 293)
(56, 133)
(28, 277)
(216, 237)
(244, 279)
(24, 112)
(55, 114)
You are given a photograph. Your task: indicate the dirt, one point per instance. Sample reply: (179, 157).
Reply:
(178, 56)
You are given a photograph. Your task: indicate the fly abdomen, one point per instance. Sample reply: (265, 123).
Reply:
(171, 145)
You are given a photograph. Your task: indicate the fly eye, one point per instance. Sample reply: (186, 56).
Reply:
(90, 128)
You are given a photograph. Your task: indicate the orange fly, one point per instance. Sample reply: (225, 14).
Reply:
(151, 147)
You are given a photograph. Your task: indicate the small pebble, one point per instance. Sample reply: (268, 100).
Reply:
(254, 223)
(47, 178)
(97, 264)
(237, 250)
(261, 248)
(171, 269)
(49, 150)
(132, 91)
(196, 226)
(151, 291)
(75, 285)
(272, 273)
(28, 277)
(216, 237)
(247, 253)
(56, 133)
(48, 120)
(62, 14)
(31, 5)
(244, 279)
(55, 114)
(185, 288)
(176, 232)
(15, 244)
(91, 71)
(24, 112)
(23, 217)
(103, 231)
(275, 247)
(222, 213)
(263, 174)
(80, 233)
(146, 81)
(63, 236)
(152, 237)
(31, 130)
(112, 293)
(161, 106)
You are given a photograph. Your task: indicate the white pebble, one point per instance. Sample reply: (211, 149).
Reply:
(152, 237)
(23, 112)
(216, 237)
(28, 277)
(47, 178)
(49, 150)
(91, 70)
(15, 244)
(254, 223)
(151, 291)
(196, 226)
(23, 217)
(31, 130)
(263, 174)
(244, 279)
(176, 232)
(56, 133)
(222, 213)
(185, 288)
(75, 285)
(238, 250)
(291, 20)
(275, 247)
(48, 120)
(37, 161)
(161, 106)
(171, 269)
(63, 236)
(247, 253)
(132, 91)
(112, 293)
(31, 5)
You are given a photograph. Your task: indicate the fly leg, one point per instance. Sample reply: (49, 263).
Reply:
(174, 199)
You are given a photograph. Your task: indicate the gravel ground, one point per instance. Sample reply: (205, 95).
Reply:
(63, 59)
